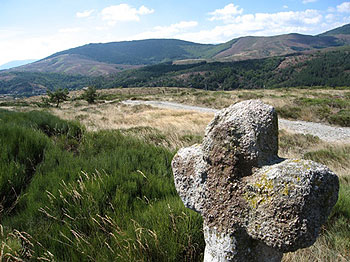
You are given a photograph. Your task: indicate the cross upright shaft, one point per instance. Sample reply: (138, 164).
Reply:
(255, 205)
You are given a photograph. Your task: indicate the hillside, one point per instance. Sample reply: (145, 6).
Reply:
(74, 65)
(141, 52)
(327, 68)
(109, 58)
(343, 30)
(260, 47)
(33, 83)
(170, 62)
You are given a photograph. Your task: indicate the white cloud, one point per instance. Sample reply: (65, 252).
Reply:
(84, 14)
(330, 18)
(261, 24)
(70, 30)
(331, 10)
(167, 31)
(344, 7)
(36, 47)
(123, 13)
(226, 14)
(285, 7)
(309, 1)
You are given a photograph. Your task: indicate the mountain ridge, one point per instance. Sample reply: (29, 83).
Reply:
(155, 62)
(16, 63)
(96, 59)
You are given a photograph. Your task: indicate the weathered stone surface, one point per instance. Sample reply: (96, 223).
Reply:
(288, 202)
(190, 180)
(255, 205)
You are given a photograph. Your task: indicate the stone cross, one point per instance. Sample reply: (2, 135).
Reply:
(255, 205)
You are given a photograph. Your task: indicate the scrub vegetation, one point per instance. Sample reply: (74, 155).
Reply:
(93, 182)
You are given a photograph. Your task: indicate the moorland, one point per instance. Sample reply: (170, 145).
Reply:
(93, 181)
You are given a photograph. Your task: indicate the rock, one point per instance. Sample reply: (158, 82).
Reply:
(255, 205)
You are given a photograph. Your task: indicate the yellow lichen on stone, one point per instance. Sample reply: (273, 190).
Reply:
(263, 191)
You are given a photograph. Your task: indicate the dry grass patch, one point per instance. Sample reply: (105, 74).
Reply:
(177, 127)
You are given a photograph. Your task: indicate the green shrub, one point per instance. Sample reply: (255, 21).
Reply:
(342, 118)
(90, 95)
(328, 155)
(289, 112)
(43, 121)
(22, 149)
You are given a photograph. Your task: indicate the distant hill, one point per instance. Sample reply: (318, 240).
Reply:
(166, 55)
(110, 58)
(260, 47)
(35, 83)
(343, 30)
(329, 67)
(73, 64)
(140, 52)
(16, 63)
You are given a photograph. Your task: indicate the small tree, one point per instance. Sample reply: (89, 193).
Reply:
(58, 96)
(90, 94)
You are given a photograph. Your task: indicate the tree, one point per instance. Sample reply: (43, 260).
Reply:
(90, 94)
(58, 96)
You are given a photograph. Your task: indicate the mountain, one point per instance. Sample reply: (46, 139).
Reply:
(112, 59)
(16, 63)
(73, 64)
(140, 52)
(251, 47)
(343, 30)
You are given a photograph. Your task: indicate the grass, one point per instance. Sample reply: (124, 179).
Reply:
(317, 104)
(111, 198)
(334, 241)
(107, 195)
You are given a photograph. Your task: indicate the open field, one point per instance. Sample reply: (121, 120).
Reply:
(172, 129)
(316, 105)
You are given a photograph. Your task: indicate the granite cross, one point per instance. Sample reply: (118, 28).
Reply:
(255, 205)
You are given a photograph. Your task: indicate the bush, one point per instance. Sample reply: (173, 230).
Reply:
(342, 118)
(90, 95)
(58, 96)
(289, 112)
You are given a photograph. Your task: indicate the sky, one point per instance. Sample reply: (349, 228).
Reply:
(34, 29)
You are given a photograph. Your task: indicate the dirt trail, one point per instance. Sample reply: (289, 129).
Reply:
(325, 132)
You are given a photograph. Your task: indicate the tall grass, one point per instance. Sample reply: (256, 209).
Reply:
(112, 198)
(334, 241)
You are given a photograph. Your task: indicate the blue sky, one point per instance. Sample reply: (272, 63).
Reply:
(37, 28)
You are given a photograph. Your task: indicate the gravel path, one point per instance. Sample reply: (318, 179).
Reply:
(324, 132)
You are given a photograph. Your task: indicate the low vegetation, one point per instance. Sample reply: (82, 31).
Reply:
(35, 83)
(327, 105)
(80, 196)
(98, 185)
(334, 241)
